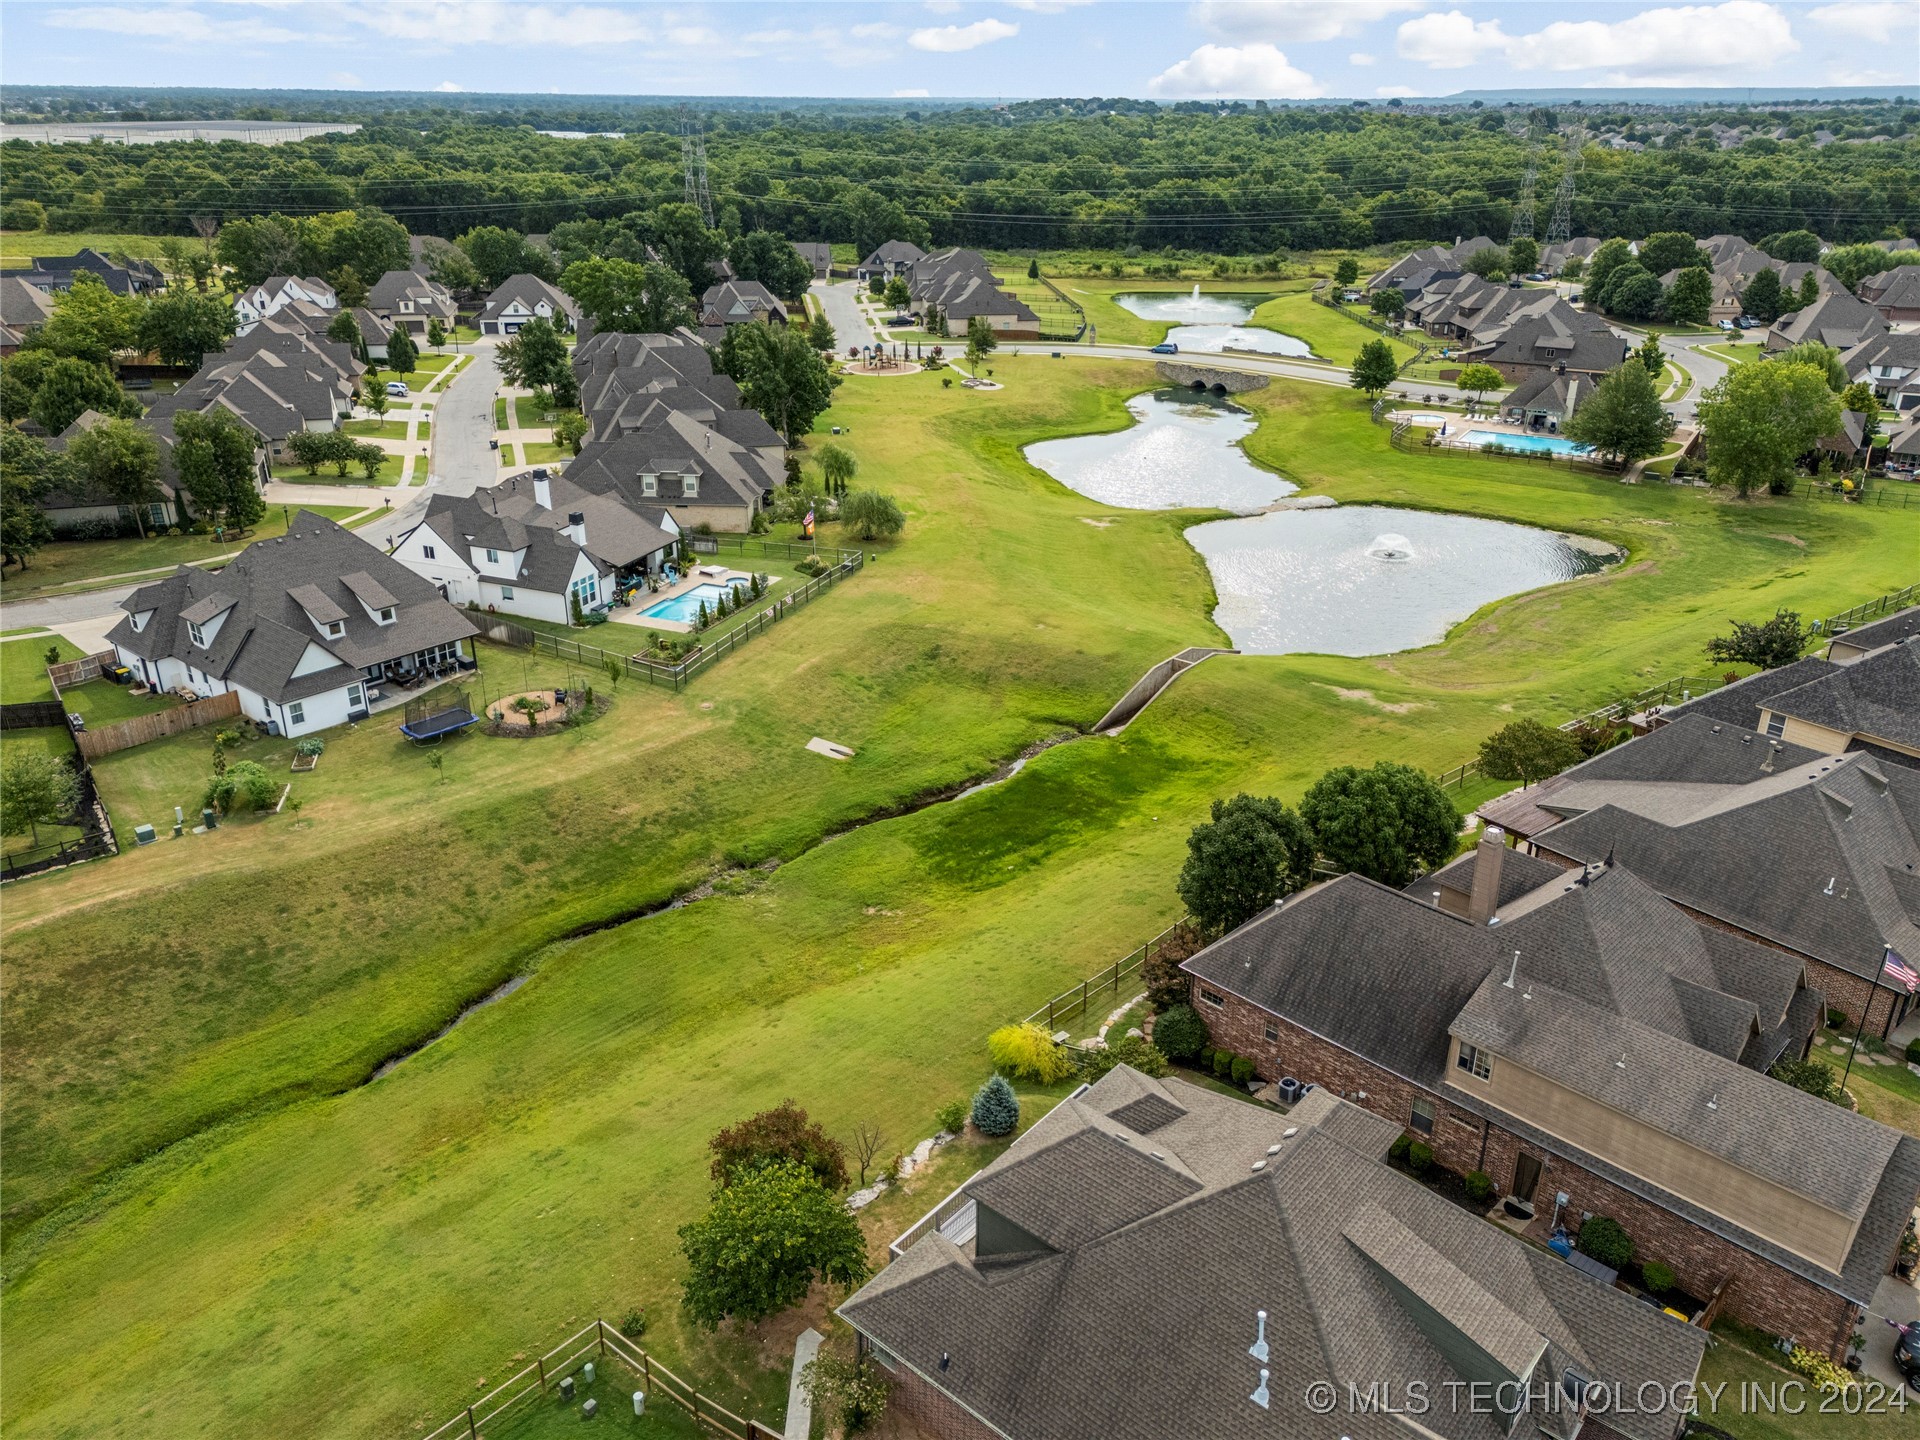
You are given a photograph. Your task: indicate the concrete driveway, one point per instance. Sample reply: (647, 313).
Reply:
(840, 300)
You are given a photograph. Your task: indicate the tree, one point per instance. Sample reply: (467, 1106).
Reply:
(1610, 256)
(981, 342)
(848, 1394)
(897, 294)
(36, 788)
(686, 244)
(871, 219)
(123, 461)
(1809, 289)
(1387, 823)
(764, 1242)
(1792, 247)
(1477, 379)
(872, 516)
(820, 334)
(780, 374)
(570, 429)
(1623, 417)
(1860, 398)
(996, 1109)
(837, 467)
(1166, 983)
(1672, 250)
(23, 215)
(1523, 255)
(1033, 268)
(1374, 368)
(436, 332)
(1823, 358)
(867, 1140)
(1027, 1052)
(183, 326)
(1490, 263)
(343, 329)
(214, 456)
(1689, 297)
(452, 267)
(243, 785)
(69, 387)
(1388, 303)
(1651, 357)
(403, 356)
(373, 395)
(632, 297)
(1764, 299)
(90, 322)
(1526, 750)
(29, 470)
(534, 357)
(935, 320)
(1757, 420)
(771, 259)
(1767, 644)
(782, 1135)
(1346, 272)
(348, 287)
(1179, 1033)
(499, 254)
(1850, 264)
(1633, 294)
(1253, 851)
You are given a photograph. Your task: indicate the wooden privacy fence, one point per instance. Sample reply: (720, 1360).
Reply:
(141, 728)
(1069, 1003)
(78, 672)
(602, 1340)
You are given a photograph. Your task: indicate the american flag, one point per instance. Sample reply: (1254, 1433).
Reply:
(1900, 972)
(808, 522)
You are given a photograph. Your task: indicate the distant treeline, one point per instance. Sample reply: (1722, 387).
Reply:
(1039, 175)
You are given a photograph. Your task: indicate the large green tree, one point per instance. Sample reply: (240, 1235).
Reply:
(1525, 750)
(1609, 257)
(403, 356)
(214, 456)
(633, 297)
(1763, 298)
(1759, 419)
(1478, 379)
(36, 788)
(1792, 247)
(1689, 297)
(1523, 254)
(535, 357)
(1388, 823)
(498, 253)
(1767, 644)
(123, 460)
(29, 470)
(782, 1135)
(686, 244)
(1623, 417)
(769, 1235)
(771, 259)
(1374, 368)
(1253, 851)
(90, 322)
(1633, 294)
(184, 326)
(1672, 250)
(68, 387)
(780, 374)
(1817, 356)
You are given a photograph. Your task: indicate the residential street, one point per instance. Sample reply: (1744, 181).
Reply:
(1705, 369)
(839, 298)
(463, 460)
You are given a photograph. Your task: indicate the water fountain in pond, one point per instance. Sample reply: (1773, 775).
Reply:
(1391, 547)
(1196, 292)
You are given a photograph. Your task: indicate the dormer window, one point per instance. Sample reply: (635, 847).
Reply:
(386, 615)
(335, 629)
(689, 484)
(493, 557)
(649, 485)
(1476, 1062)
(197, 635)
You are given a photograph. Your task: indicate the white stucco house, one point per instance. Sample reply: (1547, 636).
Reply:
(299, 626)
(275, 293)
(527, 297)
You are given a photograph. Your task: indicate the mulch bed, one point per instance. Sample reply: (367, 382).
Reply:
(549, 721)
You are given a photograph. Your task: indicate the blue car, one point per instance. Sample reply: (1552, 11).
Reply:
(1166, 347)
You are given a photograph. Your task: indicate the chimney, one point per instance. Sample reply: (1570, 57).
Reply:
(542, 490)
(1487, 858)
(577, 529)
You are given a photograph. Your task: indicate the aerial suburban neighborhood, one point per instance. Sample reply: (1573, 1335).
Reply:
(1227, 746)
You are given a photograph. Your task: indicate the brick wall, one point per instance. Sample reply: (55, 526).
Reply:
(1757, 1292)
(933, 1412)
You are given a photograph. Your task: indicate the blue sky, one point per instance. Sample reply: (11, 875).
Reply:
(1169, 49)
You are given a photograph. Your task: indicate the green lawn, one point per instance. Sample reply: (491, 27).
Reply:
(104, 703)
(48, 742)
(389, 474)
(380, 429)
(1734, 352)
(18, 247)
(67, 563)
(531, 412)
(23, 667)
(199, 1190)
(1751, 1382)
(1333, 335)
(543, 452)
(499, 412)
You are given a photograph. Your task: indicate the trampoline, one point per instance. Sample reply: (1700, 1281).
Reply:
(429, 721)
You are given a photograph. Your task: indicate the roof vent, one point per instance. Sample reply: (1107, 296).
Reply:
(1259, 1396)
(1746, 739)
(1829, 889)
(1259, 1165)
(1621, 1063)
(1714, 1103)
(1259, 1347)
(1290, 1132)
(1273, 1149)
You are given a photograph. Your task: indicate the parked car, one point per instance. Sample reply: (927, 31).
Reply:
(1166, 347)
(398, 387)
(1906, 1352)
(1726, 324)
(1746, 322)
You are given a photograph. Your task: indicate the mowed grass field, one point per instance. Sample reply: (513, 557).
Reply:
(1118, 326)
(208, 1209)
(18, 247)
(1334, 336)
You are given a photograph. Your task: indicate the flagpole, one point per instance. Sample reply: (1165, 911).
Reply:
(1885, 950)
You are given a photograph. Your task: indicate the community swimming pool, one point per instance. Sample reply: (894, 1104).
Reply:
(1558, 444)
(686, 608)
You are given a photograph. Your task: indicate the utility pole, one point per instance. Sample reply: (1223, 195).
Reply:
(1523, 210)
(1560, 228)
(693, 160)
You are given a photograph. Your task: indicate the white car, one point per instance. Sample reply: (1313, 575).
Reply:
(398, 387)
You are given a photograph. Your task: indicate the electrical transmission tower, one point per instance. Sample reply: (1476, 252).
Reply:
(1523, 210)
(693, 159)
(1560, 228)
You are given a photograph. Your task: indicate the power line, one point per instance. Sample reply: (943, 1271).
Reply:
(1560, 228)
(1522, 227)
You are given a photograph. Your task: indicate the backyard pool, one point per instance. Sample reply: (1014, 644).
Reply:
(1212, 324)
(686, 608)
(1184, 451)
(1557, 444)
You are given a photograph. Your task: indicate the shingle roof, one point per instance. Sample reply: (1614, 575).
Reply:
(1878, 697)
(1901, 625)
(1836, 319)
(1363, 1275)
(1740, 703)
(530, 291)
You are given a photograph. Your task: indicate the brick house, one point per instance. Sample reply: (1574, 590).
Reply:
(1154, 1260)
(1594, 1050)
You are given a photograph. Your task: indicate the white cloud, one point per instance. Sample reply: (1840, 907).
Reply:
(1306, 20)
(692, 35)
(1047, 7)
(173, 26)
(1359, 57)
(497, 22)
(910, 94)
(1675, 45)
(947, 39)
(1875, 21)
(1254, 71)
(345, 79)
(1394, 92)
(447, 87)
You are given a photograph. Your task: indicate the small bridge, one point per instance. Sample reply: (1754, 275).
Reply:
(1151, 684)
(1213, 378)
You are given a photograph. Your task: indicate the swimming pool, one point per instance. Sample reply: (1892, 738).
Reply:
(1558, 444)
(686, 608)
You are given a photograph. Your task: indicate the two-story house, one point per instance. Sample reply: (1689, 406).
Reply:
(521, 298)
(408, 300)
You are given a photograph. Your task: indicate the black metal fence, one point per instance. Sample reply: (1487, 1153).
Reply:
(709, 647)
(1897, 494)
(33, 715)
(1404, 440)
(95, 841)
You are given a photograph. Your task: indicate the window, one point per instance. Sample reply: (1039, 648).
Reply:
(386, 615)
(336, 628)
(157, 514)
(197, 635)
(506, 592)
(649, 485)
(426, 552)
(493, 557)
(1422, 1118)
(884, 1359)
(1476, 1061)
(356, 696)
(1272, 1031)
(1212, 997)
(296, 714)
(1574, 1384)
(1776, 725)
(689, 484)
(586, 590)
